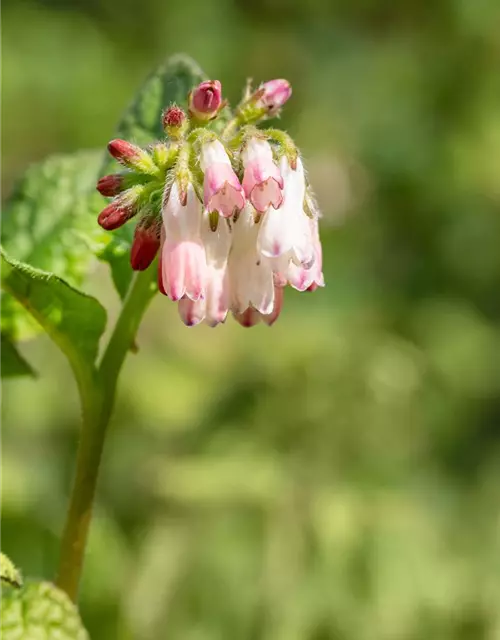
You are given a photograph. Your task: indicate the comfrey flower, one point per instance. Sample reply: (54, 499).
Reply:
(227, 209)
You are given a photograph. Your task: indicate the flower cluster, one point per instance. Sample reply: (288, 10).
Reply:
(231, 213)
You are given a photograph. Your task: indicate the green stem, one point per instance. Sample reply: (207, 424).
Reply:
(97, 405)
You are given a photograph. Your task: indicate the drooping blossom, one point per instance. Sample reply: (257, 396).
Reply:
(262, 181)
(214, 306)
(231, 226)
(222, 189)
(183, 252)
(285, 232)
(250, 273)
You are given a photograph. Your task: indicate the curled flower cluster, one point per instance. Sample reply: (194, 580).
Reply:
(231, 214)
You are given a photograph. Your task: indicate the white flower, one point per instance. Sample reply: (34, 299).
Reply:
(213, 308)
(285, 233)
(251, 275)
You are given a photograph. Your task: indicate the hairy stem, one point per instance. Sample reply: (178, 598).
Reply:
(97, 406)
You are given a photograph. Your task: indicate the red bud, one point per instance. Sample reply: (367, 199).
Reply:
(123, 151)
(115, 215)
(145, 247)
(110, 185)
(174, 116)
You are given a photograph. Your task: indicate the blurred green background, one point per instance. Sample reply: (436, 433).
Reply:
(336, 477)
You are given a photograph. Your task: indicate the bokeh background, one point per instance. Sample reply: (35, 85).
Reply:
(336, 477)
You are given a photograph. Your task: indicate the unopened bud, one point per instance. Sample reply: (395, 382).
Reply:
(206, 100)
(272, 95)
(111, 185)
(145, 246)
(131, 156)
(116, 214)
(174, 122)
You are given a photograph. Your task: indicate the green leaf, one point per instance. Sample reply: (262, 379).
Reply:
(40, 611)
(13, 363)
(74, 320)
(141, 124)
(8, 572)
(50, 223)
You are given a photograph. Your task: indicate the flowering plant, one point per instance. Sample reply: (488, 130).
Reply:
(231, 213)
(229, 210)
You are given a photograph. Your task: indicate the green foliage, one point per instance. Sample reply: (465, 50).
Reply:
(13, 363)
(74, 320)
(50, 223)
(141, 124)
(8, 573)
(39, 611)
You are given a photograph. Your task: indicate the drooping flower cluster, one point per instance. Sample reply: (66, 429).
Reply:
(230, 213)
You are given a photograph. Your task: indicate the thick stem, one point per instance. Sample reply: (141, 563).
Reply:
(97, 405)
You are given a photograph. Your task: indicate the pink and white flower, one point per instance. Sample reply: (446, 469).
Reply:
(250, 273)
(183, 254)
(262, 181)
(285, 232)
(213, 308)
(222, 189)
(298, 276)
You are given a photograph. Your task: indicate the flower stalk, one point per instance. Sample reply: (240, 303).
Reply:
(97, 405)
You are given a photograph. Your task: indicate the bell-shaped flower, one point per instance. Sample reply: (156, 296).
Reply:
(285, 233)
(262, 181)
(250, 273)
(222, 189)
(183, 254)
(214, 306)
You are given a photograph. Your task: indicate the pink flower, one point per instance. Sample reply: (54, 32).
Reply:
(222, 189)
(183, 254)
(262, 181)
(206, 100)
(214, 306)
(274, 94)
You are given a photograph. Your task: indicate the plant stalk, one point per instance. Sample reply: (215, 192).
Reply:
(97, 407)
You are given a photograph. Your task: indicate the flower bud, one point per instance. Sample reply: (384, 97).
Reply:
(174, 122)
(206, 100)
(274, 94)
(131, 156)
(116, 214)
(111, 185)
(123, 151)
(145, 246)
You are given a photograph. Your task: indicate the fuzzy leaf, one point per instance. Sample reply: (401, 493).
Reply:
(50, 223)
(13, 363)
(141, 124)
(74, 320)
(8, 572)
(40, 611)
